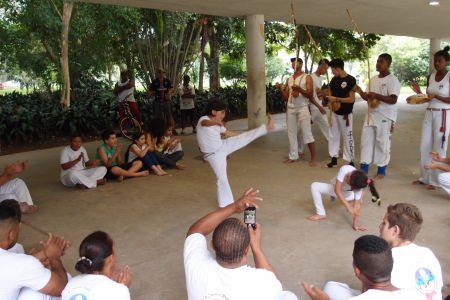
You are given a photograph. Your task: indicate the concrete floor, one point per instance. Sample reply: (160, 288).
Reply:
(148, 217)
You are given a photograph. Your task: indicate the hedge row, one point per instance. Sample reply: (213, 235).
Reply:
(27, 118)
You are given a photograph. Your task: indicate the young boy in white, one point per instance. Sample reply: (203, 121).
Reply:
(187, 105)
(298, 91)
(436, 124)
(318, 112)
(216, 143)
(227, 275)
(24, 277)
(346, 186)
(415, 267)
(377, 129)
(15, 188)
(74, 160)
(372, 264)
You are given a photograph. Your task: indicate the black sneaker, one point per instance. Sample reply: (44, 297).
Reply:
(174, 132)
(351, 164)
(333, 162)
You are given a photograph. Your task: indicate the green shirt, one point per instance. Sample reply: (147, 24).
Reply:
(109, 154)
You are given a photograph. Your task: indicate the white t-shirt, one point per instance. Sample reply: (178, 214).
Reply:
(186, 103)
(441, 88)
(207, 280)
(373, 294)
(416, 268)
(208, 137)
(317, 84)
(386, 86)
(343, 171)
(68, 154)
(126, 95)
(94, 287)
(301, 100)
(18, 271)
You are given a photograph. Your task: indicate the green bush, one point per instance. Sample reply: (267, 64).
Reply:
(31, 117)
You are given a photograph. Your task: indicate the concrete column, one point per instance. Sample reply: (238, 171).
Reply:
(435, 46)
(256, 74)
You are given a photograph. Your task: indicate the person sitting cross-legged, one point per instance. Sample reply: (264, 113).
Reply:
(74, 160)
(110, 156)
(372, 264)
(15, 188)
(22, 276)
(227, 275)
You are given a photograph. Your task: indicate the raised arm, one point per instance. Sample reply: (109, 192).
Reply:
(208, 223)
(261, 260)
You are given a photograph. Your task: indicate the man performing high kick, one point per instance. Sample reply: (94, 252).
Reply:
(216, 142)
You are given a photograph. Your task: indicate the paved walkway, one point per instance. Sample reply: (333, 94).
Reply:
(148, 217)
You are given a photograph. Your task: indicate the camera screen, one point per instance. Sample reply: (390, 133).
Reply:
(250, 216)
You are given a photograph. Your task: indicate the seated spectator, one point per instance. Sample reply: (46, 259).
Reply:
(165, 148)
(415, 267)
(22, 276)
(139, 150)
(372, 264)
(15, 188)
(100, 278)
(441, 165)
(74, 160)
(110, 156)
(227, 275)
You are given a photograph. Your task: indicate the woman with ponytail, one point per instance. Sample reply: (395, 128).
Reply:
(436, 124)
(100, 277)
(346, 186)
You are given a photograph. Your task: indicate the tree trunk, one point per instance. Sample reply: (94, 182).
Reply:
(213, 62)
(66, 15)
(205, 35)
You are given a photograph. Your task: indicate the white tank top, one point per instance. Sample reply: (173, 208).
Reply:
(441, 88)
(131, 155)
(126, 95)
(301, 100)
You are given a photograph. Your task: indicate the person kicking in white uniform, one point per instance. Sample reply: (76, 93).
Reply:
(15, 188)
(216, 142)
(379, 124)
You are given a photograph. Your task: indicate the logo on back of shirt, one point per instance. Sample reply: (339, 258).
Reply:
(80, 294)
(426, 282)
(343, 84)
(216, 297)
(441, 86)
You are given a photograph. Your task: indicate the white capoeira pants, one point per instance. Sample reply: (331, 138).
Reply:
(88, 177)
(444, 181)
(15, 189)
(287, 295)
(296, 117)
(376, 140)
(432, 142)
(342, 127)
(319, 188)
(320, 120)
(218, 161)
(339, 291)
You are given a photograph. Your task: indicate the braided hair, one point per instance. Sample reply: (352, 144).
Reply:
(230, 241)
